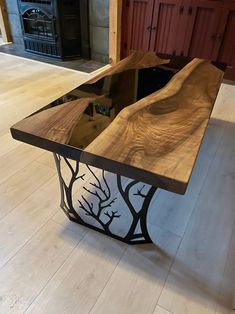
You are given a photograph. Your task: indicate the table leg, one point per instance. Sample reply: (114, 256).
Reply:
(102, 213)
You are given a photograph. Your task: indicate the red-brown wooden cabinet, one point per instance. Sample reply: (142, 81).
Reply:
(194, 28)
(139, 24)
(202, 29)
(226, 38)
(165, 26)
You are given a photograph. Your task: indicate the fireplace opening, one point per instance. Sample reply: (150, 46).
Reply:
(56, 28)
(38, 24)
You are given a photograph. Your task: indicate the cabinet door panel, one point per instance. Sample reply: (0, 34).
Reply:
(124, 28)
(182, 29)
(227, 37)
(203, 29)
(139, 24)
(166, 21)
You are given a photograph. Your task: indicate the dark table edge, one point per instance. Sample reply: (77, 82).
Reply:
(113, 166)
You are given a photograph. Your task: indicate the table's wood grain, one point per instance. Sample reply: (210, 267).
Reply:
(162, 132)
(56, 123)
(156, 140)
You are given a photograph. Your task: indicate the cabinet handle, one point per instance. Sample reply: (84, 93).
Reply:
(181, 10)
(190, 10)
(150, 28)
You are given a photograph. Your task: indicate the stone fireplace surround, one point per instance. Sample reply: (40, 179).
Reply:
(55, 28)
(98, 27)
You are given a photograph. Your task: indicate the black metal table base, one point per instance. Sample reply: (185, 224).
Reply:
(102, 214)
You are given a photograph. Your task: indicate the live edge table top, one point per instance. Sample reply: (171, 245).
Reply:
(125, 122)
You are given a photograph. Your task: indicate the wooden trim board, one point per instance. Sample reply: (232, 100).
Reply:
(115, 16)
(4, 24)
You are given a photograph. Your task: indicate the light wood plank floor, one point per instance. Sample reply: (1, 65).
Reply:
(50, 265)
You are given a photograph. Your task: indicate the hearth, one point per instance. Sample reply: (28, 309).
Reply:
(56, 28)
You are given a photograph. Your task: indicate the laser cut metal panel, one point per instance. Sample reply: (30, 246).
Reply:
(108, 203)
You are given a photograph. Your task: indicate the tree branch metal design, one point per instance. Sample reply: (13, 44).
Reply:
(103, 194)
(137, 216)
(67, 189)
(104, 212)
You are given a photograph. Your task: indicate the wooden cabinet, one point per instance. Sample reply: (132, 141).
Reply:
(226, 39)
(194, 28)
(139, 24)
(165, 23)
(202, 28)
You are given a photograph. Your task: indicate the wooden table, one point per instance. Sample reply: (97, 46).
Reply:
(143, 119)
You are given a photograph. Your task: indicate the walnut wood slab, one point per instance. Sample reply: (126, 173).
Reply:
(156, 140)
(162, 133)
(57, 123)
(137, 60)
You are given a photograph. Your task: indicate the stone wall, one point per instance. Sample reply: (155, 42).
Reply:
(98, 24)
(99, 30)
(14, 21)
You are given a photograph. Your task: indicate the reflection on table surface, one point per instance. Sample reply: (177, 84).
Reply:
(113, 94)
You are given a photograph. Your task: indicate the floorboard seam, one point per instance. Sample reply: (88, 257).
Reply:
(23, 200)
(58, 269)
(30, 238)
(168, 273)
(221, 284)
(194, 208)
(109, 278)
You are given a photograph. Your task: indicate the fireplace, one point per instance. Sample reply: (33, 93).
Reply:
(56, 28)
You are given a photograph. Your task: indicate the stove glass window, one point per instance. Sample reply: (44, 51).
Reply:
(38, 24)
